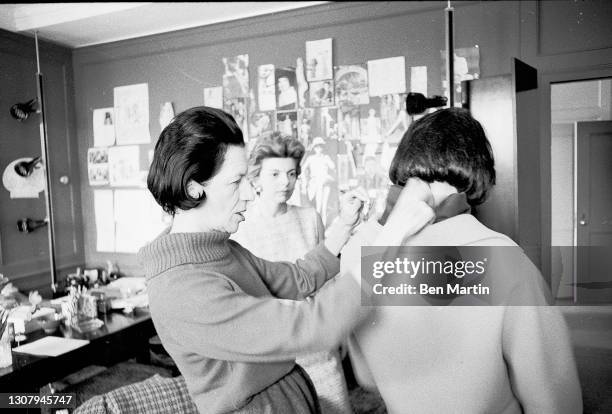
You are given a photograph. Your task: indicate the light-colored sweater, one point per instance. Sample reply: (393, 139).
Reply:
(233, 323)
(470, 359)
(287, 237)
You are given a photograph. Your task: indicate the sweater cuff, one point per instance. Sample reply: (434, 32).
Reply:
(330, 263)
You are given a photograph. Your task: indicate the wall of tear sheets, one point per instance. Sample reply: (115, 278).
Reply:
(334, 76)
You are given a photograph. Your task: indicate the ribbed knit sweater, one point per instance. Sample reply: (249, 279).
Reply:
(233, 322)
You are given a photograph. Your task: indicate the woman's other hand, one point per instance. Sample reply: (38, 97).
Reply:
(351, 204)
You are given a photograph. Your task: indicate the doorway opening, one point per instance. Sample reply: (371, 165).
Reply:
(581, 188)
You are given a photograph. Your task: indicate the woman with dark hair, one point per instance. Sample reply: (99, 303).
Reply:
(233, 322)
(277, 231)
(464, 359)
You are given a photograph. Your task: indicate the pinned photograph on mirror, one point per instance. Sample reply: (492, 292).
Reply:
(286, 91)
(322, 93)
(286, 123)
(238, 108)
(97, 166)
(261, 124)
(266, 90)
(236, 77)
(351, 86)
(319, 64)
(103, 127)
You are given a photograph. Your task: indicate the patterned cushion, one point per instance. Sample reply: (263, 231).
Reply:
(154, 395)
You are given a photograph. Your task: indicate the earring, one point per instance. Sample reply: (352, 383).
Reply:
(194, 193)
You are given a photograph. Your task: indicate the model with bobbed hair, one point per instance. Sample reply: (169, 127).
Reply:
(234, 322)
(447, 146)
(464, 359)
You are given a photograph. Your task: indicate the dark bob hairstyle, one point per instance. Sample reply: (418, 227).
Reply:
(191, 147)
(447, 145)
(275, 146)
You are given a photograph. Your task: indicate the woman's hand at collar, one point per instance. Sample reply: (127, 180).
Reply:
(412, 211)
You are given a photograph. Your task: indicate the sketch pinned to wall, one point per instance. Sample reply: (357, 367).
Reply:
(124, 166)
(213, 97)
(166, 114)
(322, 93)
(351, 84)
(103, 127)
(23, 187)
(319, 63)
(236, 77)
(105, 220)
(97, 166)
(386, 76)
(131, 104)
(238, 108)
(467, 67)
(260, 124)
(418, 79)
(266, 90)
(286, 123)
(286, 92)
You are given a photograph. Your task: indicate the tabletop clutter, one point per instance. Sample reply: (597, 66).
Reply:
(89, 296)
